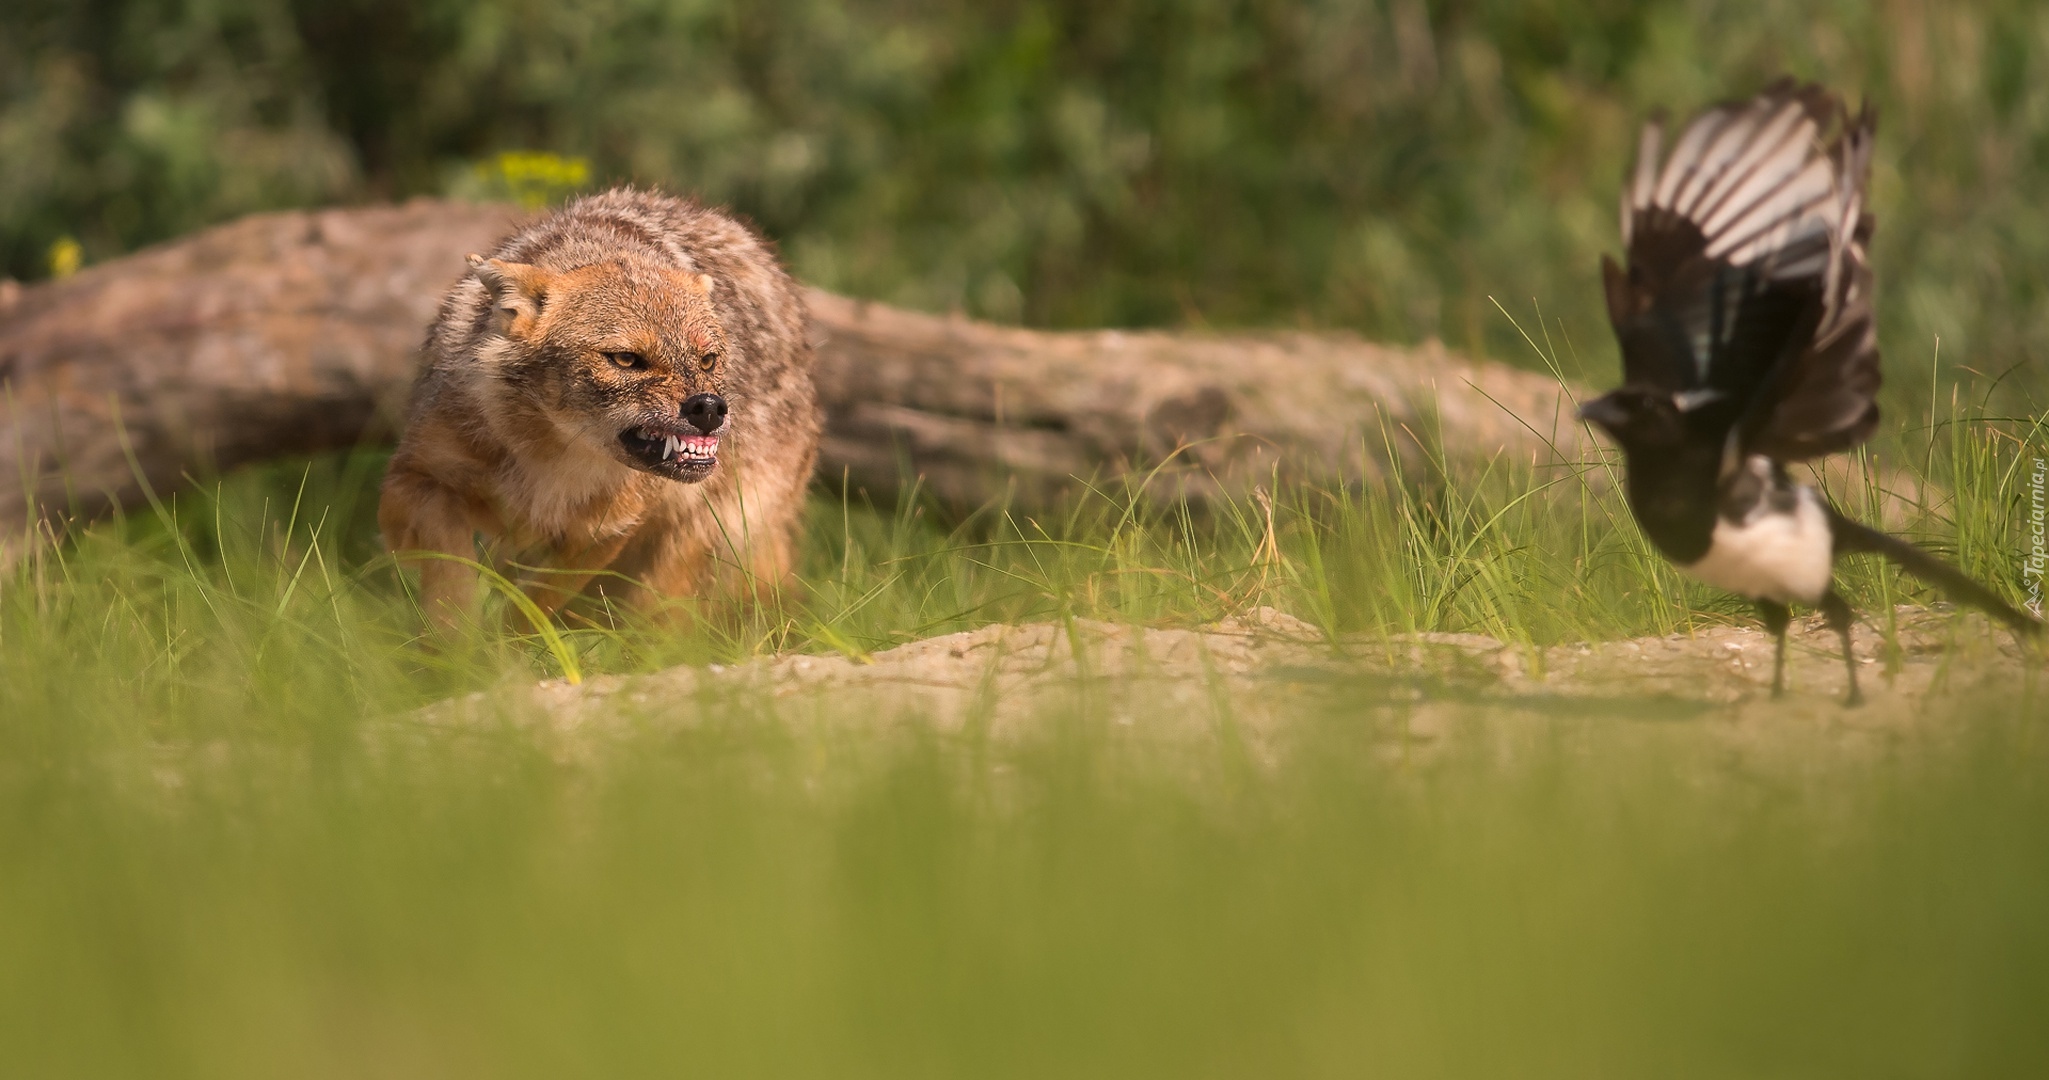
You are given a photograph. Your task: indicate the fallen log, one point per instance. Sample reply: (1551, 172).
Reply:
(973, 408)
(295, 333)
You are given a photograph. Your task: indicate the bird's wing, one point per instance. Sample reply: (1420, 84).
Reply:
(1747, 287)
(1825, 398)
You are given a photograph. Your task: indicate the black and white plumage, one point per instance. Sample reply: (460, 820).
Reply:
(1748, 342)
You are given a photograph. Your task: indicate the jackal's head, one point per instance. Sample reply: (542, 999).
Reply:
(625, 355)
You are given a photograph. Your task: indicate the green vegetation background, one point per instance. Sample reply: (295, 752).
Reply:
(1381, 166)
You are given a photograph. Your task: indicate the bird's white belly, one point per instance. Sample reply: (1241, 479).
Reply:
(1777, 557)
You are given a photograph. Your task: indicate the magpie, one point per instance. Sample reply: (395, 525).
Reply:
(1748, 343)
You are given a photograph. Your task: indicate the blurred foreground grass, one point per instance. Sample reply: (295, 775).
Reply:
(747, 899)
(217, 860)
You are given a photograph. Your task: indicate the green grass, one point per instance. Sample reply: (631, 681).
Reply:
(216, 858)
(221, 856)
(697, 903)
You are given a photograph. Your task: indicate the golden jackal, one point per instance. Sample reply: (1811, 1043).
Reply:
(622, 386)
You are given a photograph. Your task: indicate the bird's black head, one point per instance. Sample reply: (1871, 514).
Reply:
(1638, 419)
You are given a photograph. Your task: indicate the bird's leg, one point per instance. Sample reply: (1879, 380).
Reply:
(1839, 616)
(1775, 618)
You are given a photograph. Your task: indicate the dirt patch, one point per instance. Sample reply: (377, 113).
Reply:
(1251, 679)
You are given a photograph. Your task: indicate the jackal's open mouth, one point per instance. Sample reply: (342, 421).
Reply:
(672, 453)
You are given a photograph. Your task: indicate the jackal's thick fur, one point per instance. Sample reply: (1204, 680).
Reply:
(576, 341)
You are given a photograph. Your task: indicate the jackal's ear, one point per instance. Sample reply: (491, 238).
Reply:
(518, 291)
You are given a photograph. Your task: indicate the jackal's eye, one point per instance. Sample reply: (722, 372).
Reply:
(708, 361)
(629, 361)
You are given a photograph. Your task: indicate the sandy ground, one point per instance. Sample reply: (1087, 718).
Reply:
(1253, 681)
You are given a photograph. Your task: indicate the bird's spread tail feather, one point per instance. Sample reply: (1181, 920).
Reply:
(1853, 538)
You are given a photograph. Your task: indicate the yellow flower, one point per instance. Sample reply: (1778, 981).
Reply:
(533, 179)
(65, 257)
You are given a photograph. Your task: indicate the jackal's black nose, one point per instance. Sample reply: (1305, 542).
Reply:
(705, 412)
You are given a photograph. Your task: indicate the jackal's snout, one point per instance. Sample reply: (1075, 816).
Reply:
(705, 412)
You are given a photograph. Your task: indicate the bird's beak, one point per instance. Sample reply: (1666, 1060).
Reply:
(1603, 411)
